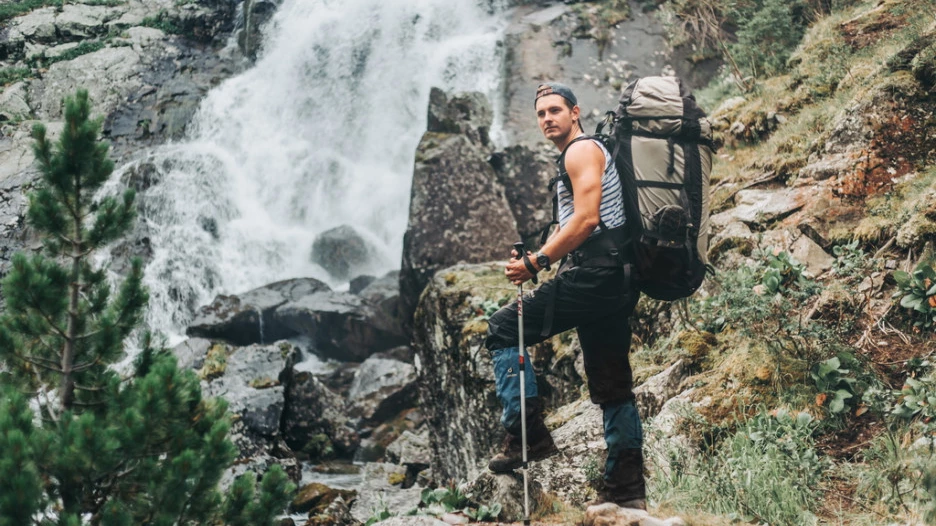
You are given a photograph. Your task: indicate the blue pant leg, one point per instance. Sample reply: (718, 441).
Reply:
(507, 376)
(622, 431)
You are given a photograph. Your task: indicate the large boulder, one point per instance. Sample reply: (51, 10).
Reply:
(249, 318)
(383, 294)
(455, 373)
(381, 388)
(467, 114)
(252, 380)
(458, 211)
(315, 422)
(525, 174)
(341, 251)
(340, 326)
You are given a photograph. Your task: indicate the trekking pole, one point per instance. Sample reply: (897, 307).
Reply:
(523, 429)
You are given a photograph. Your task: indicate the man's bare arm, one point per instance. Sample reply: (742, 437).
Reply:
(585, 164)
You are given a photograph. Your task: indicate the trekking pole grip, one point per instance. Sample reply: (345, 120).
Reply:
(521, 253)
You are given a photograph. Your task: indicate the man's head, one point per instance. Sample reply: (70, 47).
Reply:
(557, 112)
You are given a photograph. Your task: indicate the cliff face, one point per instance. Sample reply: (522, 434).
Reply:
(146, 66)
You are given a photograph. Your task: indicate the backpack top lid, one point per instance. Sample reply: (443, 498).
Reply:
(660, 98)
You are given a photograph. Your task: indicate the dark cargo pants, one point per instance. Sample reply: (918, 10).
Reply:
(597, 302)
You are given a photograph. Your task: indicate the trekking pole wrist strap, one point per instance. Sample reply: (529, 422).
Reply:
(529, 266)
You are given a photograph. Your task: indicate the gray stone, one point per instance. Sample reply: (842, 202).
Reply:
(829, 166)
(340, 325)
(525, 174)
(252, 383)
(13, 105)
(342, 252)
(250, 317)
(313, 409)
(467, 114)
(610, 514)
(377, 492)
(761, 207)
(192, 352)
(382, 388)
(807, 252)
(110, 75)
(652, 394)
(37, 25)
(458, 213)
(57, 51)
(79, 21)
(411, 450)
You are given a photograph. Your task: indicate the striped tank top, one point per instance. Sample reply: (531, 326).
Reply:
(612, 200)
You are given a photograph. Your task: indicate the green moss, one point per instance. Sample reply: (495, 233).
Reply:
(215, 362)
(396, 478)
(13, 75)
(263, 383)
(21, 7)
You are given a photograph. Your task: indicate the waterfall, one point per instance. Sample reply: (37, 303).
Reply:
(320, 132)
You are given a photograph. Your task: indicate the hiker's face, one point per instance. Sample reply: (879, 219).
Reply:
(555, 118)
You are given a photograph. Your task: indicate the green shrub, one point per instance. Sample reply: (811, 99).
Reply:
(767, 35)
(834, 384)
(12, 75)
(917, 293)
(21, 7)
(766, 471)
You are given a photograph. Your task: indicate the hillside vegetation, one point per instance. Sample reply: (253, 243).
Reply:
(814, 393)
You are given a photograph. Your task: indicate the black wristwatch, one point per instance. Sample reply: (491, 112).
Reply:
(543, 261)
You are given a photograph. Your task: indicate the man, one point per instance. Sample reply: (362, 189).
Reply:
(591, 293)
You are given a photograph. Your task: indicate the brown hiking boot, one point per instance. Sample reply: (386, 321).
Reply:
(511, 457)
(540, 444)
(625, 485)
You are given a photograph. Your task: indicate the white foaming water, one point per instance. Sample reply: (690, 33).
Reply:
(321, 132)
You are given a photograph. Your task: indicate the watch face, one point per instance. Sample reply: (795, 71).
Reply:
(542, 260)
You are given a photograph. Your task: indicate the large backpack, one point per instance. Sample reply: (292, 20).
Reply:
(662, 145)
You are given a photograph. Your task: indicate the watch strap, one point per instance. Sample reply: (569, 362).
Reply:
(529, 266)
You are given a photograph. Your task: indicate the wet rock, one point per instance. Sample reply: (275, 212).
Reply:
(525, 174)
(760, 207)
(318, 495)
(383, 294)
(382, 388)
(340, 326)
(381, 488)
(467, 114)
(250, 317)
(341, 251)
(338, 513)
(257, 454)
(356, 285)
(191, 353)
(315, 423)
(458, 212)
(252, 380)
(256, 13)
(411, 450)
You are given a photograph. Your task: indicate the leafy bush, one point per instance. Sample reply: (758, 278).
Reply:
(917, 293)
(833, 384)
(767, 35)
(850, 260)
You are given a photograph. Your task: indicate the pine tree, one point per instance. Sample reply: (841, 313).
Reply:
(102, 449)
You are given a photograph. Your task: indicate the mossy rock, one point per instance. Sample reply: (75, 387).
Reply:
(215, 362)
(696, 344)
(317, 496)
